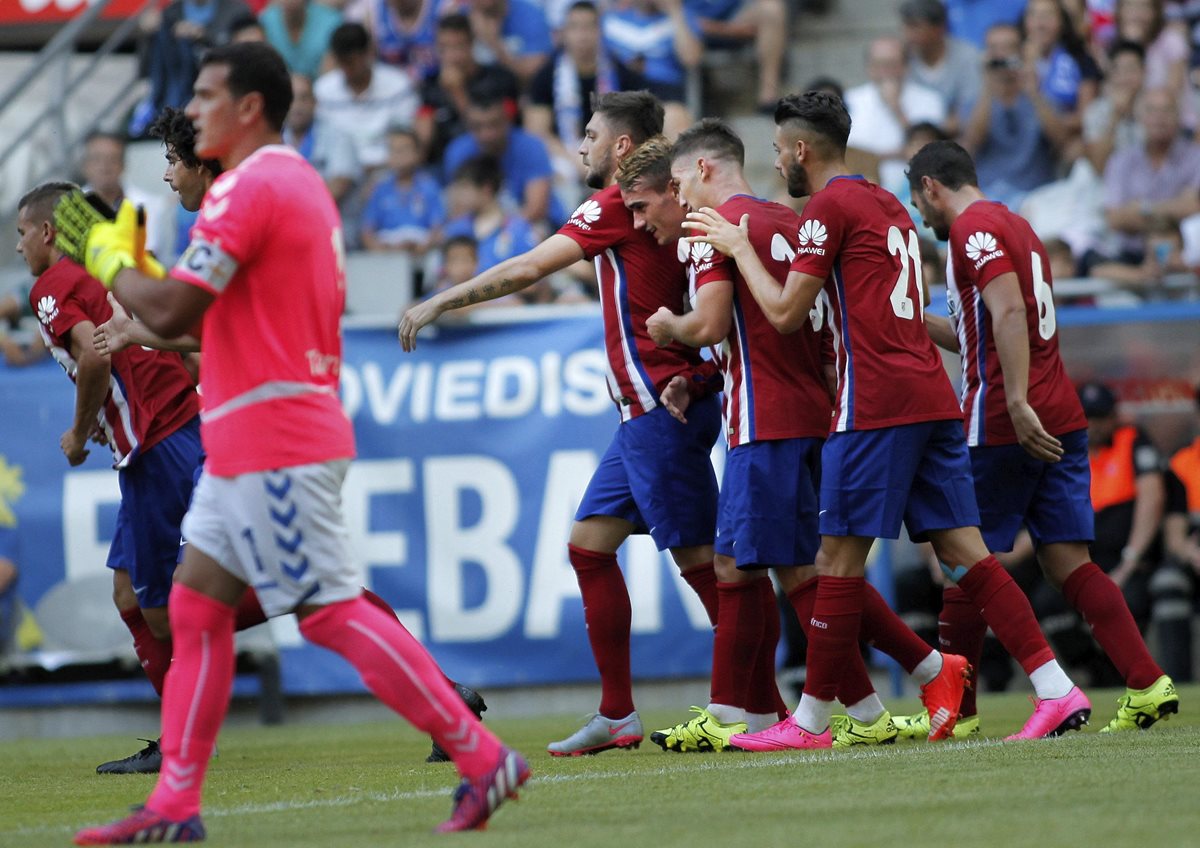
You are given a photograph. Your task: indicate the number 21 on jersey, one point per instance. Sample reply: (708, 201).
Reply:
(908, 251)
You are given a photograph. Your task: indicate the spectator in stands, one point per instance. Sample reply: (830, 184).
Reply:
(1151, 187)
(474, 198)
(363, 97)
(524, 169)
(14, 305)
(660, 40)
(1068, 78)
(1143, 22)
(460, 262)
(404, 212)
(246, 28)
(970, 20)
(403, 32)
(940, 61)
(187, 28)
(763, 22)
(1128, 495)
(560, 94)
(300, 30)
(892, 175)
(510, 33)
(325, 146)
(103, 170)
(1010, 130)
(829, 85)
(1110, 121)
(444, 91)
(882, 109)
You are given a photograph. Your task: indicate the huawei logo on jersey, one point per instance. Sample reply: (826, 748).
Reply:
(702, 256)
(981, 249)
(588, 213)
(812, 235)
(47, 309)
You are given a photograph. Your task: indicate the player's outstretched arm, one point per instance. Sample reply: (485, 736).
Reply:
(511, 275)
(707, 323)
(786, 308)
(1004, 303)
(122, 330)
(941, 332)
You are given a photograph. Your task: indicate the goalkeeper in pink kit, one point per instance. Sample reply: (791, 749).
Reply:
(264, 279)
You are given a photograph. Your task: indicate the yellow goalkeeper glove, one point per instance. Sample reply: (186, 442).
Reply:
(104, 247)
(147, 262)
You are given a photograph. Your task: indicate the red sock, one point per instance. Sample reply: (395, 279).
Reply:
(154, 654)
(961, 630)
(195, 700)
(1103, 607)
(885, 630)
(249, 611)
(855, 683)
(703, 580)
(763, 696)
(607, 614)
(1006, 610)
(735, 646)
(833, 636)
(400, 672)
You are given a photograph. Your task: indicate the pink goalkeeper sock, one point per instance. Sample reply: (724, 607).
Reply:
(195, 698)
(400, 672)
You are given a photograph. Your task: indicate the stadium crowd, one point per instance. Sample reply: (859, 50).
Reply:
(448, 131)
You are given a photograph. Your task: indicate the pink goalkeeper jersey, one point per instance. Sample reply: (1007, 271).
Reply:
(987, 241)
(857, 237)
(268, 245)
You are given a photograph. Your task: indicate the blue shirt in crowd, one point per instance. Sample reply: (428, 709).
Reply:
(525, 159)
(971, 19)
(303, 56)
(394, 213)
(512, 238)
(646, 43)
(1016, 157)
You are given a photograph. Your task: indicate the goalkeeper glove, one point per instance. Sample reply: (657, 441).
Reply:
(105, 247)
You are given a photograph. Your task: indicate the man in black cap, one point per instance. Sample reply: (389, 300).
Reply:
(1128, 495)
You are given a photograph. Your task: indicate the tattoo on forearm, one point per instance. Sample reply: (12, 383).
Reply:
(487, 291)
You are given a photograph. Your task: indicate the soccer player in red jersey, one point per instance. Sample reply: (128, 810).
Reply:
(143, 405)
(777, 413)
(656, 475)
(1025, 427)
(264, 272)
(896, 451)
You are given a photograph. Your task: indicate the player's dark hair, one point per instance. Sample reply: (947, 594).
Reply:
(256, 67)
(637, 114)
(480, 171)
(1124, 45)
(712, 136)
(41, 200)
(349, 40)
(455, 23)
(816, 112)
(179, 133)
(945, 161)
(648, 166)
(460, 241)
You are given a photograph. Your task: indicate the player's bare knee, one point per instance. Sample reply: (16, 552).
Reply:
(727, 570)
(696, 556)
(123, 595)
(962, 546)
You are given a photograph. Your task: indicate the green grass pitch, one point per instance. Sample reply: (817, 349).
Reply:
(366, 785)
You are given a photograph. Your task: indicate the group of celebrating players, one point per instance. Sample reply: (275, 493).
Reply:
(840, 420)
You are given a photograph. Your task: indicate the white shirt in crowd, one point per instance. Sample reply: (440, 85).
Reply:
(876, 130)
(390, 100)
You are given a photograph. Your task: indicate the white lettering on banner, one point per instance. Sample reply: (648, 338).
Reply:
(552, 579)
(451, 546)
(475, 389)
(84, 492)
(458, 389)
(387, 548)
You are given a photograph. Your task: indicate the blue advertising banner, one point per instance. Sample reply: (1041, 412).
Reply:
(473, 453)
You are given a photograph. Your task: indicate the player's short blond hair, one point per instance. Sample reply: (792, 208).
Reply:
(649, 164)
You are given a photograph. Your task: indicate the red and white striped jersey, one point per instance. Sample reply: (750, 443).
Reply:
(151, 394)
(857, 237)
(986, 241)
(636, 276)
(774, 383)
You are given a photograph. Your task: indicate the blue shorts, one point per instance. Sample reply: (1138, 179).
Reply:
(1054, 500)
(657, 474)
(155, 493)
(767, 513)
(920, 474)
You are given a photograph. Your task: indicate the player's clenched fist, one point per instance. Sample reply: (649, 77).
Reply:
(416, 317)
